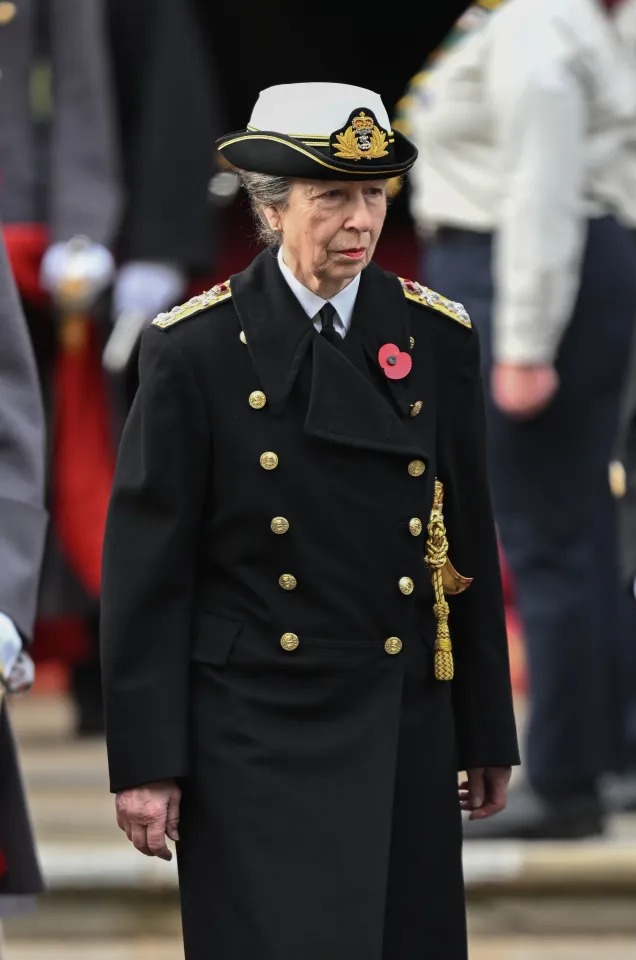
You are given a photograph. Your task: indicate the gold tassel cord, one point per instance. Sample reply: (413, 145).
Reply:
(445, 580)
(436, 557)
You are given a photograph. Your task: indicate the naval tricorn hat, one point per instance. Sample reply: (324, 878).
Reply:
(319, 131)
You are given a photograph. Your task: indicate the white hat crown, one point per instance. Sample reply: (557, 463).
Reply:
(313, 108)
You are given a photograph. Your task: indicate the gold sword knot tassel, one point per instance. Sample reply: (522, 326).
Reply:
(445, 579)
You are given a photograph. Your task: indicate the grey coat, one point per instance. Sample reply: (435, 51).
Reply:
(23, 522)
(59, 166)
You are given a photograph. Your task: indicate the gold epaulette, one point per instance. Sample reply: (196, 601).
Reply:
(429, 298)
(209, 298)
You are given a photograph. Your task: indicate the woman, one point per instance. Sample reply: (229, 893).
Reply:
(276, 657)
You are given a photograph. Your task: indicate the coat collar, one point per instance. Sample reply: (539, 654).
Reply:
(351, 401)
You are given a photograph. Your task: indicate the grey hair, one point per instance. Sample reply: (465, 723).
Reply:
(265, 190)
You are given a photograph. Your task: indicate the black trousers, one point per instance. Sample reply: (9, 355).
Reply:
(555, 513)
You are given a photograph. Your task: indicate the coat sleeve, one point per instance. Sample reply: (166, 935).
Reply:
(167, 133)
(85, 166)
(23, 516)
(481, 688)
(539, 122)
(149, 568)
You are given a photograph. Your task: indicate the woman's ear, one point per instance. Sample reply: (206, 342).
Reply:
(272, 217)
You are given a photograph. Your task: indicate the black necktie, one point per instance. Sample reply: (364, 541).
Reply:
(328, 331)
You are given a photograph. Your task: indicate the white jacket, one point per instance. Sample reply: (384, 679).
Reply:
(626, 24)
(522, 129)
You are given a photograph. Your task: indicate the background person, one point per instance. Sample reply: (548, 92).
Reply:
(23, 522)
(516, 195)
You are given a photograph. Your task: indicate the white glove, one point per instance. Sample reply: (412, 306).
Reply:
(17, 670)
(75, 273)
(147, 287)
(143, 289)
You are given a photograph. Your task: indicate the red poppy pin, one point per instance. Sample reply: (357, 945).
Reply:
(394, 362)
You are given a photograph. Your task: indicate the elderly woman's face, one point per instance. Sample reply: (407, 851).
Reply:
(330, 230)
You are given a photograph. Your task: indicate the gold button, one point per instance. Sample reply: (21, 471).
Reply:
(416, 407)
(269, 460)
(257, 399)
(288, 581)
(7, 12)
(416, 468)
(617, 479)
(279, 525)
(242, 337)
(412, 342)
(393, 645)
(406, 585)
(415, 526)
(289, 641)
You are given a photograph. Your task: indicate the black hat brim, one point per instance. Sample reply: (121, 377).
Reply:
(265, 151)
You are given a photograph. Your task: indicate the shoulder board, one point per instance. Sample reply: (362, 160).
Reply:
(209, 298)
(429, 298)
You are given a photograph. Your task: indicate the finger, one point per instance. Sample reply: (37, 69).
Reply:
(485, 811)
(139, 838)
(156, 840)
(498, 796)
(476, 787)
(172, 816)
(493, 805)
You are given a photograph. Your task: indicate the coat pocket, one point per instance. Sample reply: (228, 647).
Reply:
(213, 639)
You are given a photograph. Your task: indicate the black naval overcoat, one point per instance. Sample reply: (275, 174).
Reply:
(268, 626)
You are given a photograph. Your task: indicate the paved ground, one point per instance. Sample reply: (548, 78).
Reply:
(544, 891)
(516, 949)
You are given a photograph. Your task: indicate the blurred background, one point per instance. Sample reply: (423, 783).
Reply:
(115, 207)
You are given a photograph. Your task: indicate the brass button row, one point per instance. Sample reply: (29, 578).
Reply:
(290, 641)
(269, 461)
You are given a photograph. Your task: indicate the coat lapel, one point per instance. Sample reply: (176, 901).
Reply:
(277, 330)
(350, 403)
(381, 316)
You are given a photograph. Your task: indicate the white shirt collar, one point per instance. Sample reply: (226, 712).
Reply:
(311, 303)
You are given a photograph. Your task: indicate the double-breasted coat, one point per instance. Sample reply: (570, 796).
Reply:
(268, 625)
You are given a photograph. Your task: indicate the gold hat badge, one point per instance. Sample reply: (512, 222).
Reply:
(446, 580)
(362, 139)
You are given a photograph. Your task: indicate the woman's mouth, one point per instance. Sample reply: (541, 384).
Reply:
(356, 253)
